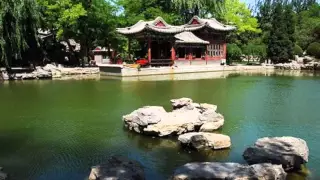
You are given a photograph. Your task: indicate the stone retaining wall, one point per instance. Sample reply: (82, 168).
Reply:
(122, 71)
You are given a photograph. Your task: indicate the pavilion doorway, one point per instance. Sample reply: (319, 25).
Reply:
(161, 53)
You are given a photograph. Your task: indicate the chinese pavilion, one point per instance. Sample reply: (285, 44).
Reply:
(201, 41)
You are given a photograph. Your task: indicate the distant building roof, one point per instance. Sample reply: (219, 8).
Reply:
(159, 25)
(101, 49)
(189, 38)
(197, 23)
(44, 33)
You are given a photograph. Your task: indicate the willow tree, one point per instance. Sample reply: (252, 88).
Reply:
(18, 28)
(199, 7)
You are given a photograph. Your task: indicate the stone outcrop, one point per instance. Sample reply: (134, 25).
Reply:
(117, 168)
(230, 171)
(311, 66)
(3, 176)
(49, 71)
(288, 66)
(4, 76)
(201, 140)
(186, 117)
(290, 152)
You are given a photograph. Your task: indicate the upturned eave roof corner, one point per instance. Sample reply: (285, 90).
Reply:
(161, 26)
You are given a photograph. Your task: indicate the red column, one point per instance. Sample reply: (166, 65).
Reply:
(173, 53)
(225, 50)
(149, 49)
(206, 56)
(190, 55)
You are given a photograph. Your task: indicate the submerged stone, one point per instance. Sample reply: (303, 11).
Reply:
(229, 171)
(201, 140)
(117, 168)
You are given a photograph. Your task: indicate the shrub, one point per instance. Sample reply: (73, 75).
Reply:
(256, 50)
(233, 52)
(298, 50)
(314, 49)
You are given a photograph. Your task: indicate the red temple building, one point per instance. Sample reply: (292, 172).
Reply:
(201, 41)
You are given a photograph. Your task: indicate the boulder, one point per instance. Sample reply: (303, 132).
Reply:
(211, 126)
(307, 59)
(205, 106)
(40, 73)
(179, 103)
(290, 152)
(230, 171)
(3, 176)
(186, 117)
(55, 71)
(4, 75)
(200, 140)
(258, 171)
(117, 168)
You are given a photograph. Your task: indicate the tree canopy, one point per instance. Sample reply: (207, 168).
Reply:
(19, 20)
(239, 14)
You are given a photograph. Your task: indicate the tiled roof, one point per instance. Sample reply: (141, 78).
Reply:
(159, 25)
(210, 23)
(151, 25)
(189, 38)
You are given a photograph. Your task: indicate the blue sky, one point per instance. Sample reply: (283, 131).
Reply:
(252, 2)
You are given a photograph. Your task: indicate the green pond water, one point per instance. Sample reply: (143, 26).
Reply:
(57, 130)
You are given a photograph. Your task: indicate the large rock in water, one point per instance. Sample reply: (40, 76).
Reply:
(3, 176)
(230, 171)
(290, 152)
(117, 168)
(186, 117)
(200, 140)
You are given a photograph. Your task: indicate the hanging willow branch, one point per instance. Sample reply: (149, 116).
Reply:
(214, 5)
(18, 24)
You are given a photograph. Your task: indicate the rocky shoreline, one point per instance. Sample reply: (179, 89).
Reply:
(269, 158)
(300, 63)
(49, 71)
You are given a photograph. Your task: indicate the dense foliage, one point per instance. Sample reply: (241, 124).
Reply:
(18, 27)
(254, 52)
(233, 52)
(270, 30)
(298, 50)
(314, 49)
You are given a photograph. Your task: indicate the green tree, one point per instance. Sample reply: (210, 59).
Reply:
(289, 21)
(257, 51)
(239, 14)
(18, 28)
(297, 50)
(102, 23)
(135, 10)
(233, 53)
(279, 40)
(201, 8)
(314, 49)
(307, 30)
(61, 17)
